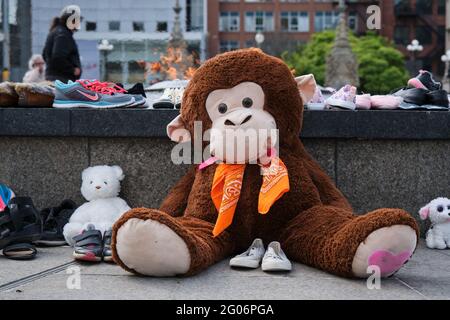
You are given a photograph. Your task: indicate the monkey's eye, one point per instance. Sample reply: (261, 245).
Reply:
(448, 207)
(92, 182)
(223, 108)
(440, 209)
(247, 103)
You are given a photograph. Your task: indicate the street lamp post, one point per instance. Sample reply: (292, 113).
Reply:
(104, 47)
(414, 48)
(259, 38)
(446, 81)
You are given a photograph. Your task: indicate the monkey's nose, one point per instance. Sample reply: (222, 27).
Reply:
(98, 187)
(231, 123)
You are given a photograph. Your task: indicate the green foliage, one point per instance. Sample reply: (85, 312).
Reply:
(381, 66)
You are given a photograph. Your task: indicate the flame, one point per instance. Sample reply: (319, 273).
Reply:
(173, 64)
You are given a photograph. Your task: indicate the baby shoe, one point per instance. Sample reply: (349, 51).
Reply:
(424, 80)
(250, 258)
(345, 98)
(317, 102)
(438, 98)
(107, 253)
(178, 97)
(89, 245)
(385, 102)
(275, 259)
(167, 100)
(363, 101)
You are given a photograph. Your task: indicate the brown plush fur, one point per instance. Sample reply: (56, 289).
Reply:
(35, 94)
(313, 221)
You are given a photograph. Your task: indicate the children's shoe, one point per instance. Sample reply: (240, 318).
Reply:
(424, 80)
(54, 219)
(363, 102)
(438, 98)
(167, 99)
(387, 102)
(345, 98)
(107, 252)
(317, 102)
(89, 245)
(275, 259)
(178, 97)
(250, 258)
(83, 94)
(413, 95)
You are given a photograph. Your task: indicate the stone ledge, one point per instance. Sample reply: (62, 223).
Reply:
(135, 123)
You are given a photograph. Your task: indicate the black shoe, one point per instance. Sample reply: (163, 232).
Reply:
(20, 222)
(438, 98)
(137, 89)
(413, 95)
(54, 220)
(425, 81)
(107, 252)
(89, 245)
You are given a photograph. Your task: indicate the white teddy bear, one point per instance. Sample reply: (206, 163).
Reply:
(100, 187)
(438, 211)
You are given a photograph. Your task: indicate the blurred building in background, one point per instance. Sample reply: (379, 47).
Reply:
(138, 30)
(233, 24)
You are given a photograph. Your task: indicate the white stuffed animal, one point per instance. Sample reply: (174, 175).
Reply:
(100, 187)
(438, 211)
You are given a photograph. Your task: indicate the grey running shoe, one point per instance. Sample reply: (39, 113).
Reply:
(76, 95)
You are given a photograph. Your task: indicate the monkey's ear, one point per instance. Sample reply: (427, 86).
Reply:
(307, 86)
(177, 132)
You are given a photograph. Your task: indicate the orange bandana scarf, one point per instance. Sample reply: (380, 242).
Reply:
(227, 185)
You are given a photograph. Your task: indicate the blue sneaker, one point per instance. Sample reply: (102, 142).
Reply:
(76, 95)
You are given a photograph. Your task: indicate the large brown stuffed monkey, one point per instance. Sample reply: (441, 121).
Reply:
(313, 221)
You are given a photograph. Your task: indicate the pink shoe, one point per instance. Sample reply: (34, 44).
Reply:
(317, 102)
(363, 101)
(345, 98)
(385, 102)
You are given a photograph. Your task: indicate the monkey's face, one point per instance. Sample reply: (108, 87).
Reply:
(242, 131)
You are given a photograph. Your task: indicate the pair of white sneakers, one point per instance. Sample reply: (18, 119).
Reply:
(272, 259)
(170, 99)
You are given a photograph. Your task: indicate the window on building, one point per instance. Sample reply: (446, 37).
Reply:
(114, 26)
(353, 21)
(325, 20)
(229, 21)
(423, 35)
(228, 45)
(402, 6)
(91, 26)
(194, 15)
(295, 21)
(259, 21)
(441, 7)
(401, 35)
(424, 6)
(138, 27)
(161, 26)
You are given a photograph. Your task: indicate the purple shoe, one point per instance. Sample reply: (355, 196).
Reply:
(345, 98)
(317, 102)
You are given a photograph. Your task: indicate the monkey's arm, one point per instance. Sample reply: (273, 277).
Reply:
(176, 201)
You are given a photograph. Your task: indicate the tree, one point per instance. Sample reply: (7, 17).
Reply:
(381, 66)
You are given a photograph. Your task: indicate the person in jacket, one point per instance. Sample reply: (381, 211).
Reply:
(61, 51)
(36, 72)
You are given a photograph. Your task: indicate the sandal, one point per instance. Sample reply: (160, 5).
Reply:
(20, 251)
(54, 220)
(19, 223)
(89, 245)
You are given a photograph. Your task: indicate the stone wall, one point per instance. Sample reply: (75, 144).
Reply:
(371, 173)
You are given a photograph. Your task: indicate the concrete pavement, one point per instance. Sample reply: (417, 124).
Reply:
(426, 276)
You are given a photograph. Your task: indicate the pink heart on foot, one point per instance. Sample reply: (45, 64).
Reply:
(387, 261)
